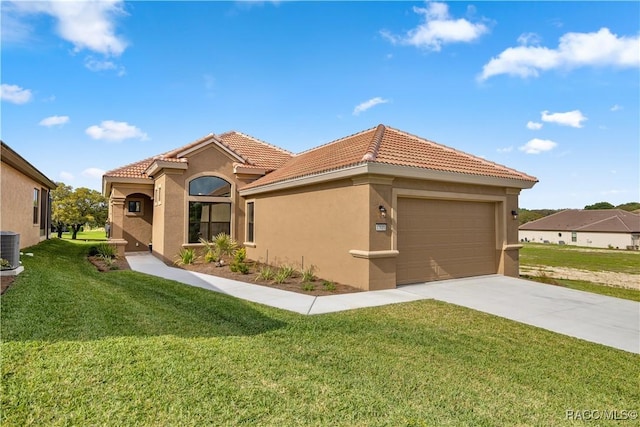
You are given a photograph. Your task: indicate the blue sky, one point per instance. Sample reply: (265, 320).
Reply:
(551, 89)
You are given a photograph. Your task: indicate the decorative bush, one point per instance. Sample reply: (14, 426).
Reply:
(239, 265)
(266, 272)
(186, 256)
(284, 273)
(329, 286)
(225, 244)
(308, 275)
(105, 250)
(212, 252)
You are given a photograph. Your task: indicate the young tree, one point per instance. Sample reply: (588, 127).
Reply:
(59, 199)
(79, 207)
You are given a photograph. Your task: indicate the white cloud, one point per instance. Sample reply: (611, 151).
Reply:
(368, 104)
(66, 176)
(93, 173)
(528, 39)
(537, 146)
(110, 130)
(438, 28)
(570, 118)
(534, 125)
(13, 29)
(505, 150)
(14, 94)
(54, 121)
(598, 49)
(616, 107)
(93, 64)
(86, 24)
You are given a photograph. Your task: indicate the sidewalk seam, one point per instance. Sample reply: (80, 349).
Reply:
(311, 306)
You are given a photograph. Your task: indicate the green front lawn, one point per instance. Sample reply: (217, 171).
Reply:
(619, 261)
(98, 234)
(86, 348)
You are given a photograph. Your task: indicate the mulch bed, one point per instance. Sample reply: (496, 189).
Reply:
(117, 264)
(293, 284)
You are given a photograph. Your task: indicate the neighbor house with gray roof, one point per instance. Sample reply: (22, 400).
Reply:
(375, 209)
(602, 228)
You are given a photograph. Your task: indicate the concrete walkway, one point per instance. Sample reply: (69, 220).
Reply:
(597, 318)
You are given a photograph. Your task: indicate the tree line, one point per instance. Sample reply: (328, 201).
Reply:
(75, 208)
(527, 215)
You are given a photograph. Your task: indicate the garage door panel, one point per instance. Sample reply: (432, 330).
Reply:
(440, 239)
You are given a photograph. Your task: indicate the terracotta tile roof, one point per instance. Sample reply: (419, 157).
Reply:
(256, 152)
(387, 145)
(252, 151)
(132, 170)
(601, 220)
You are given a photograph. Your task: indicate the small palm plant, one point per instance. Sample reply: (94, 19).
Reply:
(186, 256)
(225, 244)
(212, 252)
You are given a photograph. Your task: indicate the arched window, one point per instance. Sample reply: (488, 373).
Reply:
(211, 186)
(209, 208)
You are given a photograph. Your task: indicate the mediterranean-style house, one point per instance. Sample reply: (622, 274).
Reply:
(25, 206)
(373, 210)
(598, 228)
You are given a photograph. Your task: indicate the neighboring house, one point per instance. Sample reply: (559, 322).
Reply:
(375, 209)
(25, 203)
(606, 228)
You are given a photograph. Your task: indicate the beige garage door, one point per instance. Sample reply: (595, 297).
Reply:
(442, 239)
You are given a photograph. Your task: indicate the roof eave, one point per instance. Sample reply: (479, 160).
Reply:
(396, 171)
(211, 139)
(15, 160)
(158, 165)
(108, 181)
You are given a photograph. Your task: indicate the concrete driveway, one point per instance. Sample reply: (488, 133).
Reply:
(605, 320)
(597, 318)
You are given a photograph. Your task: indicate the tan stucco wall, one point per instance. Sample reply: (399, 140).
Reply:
(125, 227)
(137, 227)
(169, 233)
(17, 205)
(325, 222)
(321, 224)
(170, 214)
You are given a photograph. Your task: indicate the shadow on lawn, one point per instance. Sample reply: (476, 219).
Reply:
(61, 297)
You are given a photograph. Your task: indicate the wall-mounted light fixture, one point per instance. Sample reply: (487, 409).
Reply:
(514, 214)
(383, 211)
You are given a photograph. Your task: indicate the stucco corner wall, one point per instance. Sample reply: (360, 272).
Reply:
(316, 225)
(17, 206)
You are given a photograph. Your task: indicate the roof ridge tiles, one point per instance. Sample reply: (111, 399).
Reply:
(609, 218)
(275, 147)
(374, 145)
(334, 141)
(175, 151)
